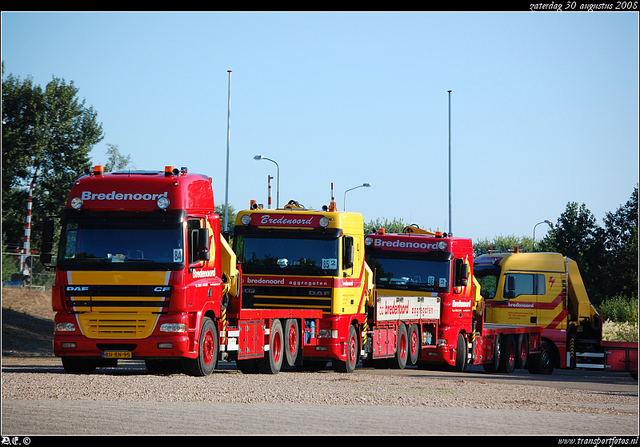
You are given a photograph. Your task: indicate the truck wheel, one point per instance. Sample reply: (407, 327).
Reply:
(79, 366)
(522, 351)
(207, 358)
(544, 362)
(414, 344)
(402, 349)
(461, 355)
(508, 355)
(291, 341)
(272, 360)
(349, 365)
(495, 362)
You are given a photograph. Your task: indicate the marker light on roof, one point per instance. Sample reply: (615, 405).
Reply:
(76, 203)
(324, 221)
(163, 202)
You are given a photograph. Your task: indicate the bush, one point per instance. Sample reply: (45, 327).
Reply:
(619, 331)
(619, 309)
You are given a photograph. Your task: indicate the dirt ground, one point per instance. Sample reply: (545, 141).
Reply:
(27, 323)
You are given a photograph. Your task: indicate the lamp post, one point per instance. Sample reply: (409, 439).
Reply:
(365, 185)
(534, 231)
(260, 157)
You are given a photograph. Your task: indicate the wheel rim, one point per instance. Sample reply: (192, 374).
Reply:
(352, 350)
(523, 349)
(293, 339)
(414, 342)
(208, 348)
(403, 346)
(276, 347)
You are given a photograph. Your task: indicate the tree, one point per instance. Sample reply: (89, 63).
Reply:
(621, 242)
(577, 236)
(503, 244)
(116, 161)
(47, 135)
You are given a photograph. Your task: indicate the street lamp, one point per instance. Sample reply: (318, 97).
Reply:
(534, 231)
(365, 185)
(260, 157)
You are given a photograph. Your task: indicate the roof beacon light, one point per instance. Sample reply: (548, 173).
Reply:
(98, 170)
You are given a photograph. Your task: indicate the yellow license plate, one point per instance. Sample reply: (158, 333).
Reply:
(116, 354)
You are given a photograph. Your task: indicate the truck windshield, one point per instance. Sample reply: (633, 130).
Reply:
(121, 244)
(487, 277)
(410, 274)
(279, 254)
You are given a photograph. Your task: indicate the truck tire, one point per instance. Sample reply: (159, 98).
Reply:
(207, 358)
(497, 354)
(544, 362)
(273, 358)
(402, 349)
(522, 351)
(508, 355)
(461, 355)
(349, 365)
(414, 344)
(291, 341)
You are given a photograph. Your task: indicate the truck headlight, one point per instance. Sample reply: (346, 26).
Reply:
(173, 327)
(64, 327)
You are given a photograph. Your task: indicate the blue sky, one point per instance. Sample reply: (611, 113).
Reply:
(544, 106)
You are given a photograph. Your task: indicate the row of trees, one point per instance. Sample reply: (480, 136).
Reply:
(607, 256)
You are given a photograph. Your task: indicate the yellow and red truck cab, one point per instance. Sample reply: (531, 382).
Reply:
(429, 278)
(308, 259)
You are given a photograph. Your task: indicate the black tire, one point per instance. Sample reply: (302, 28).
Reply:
(402, 349)
(414, 344)
(508, 355)
(273, 358)
(353, 346)
(522, 351)
(79, 366)
(544, 362)
(208, 348)
(495, 362)
(291, 341)
(462, 355)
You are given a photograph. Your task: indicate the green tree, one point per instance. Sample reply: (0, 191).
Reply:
(115, 160)
(503, 244)
(391, 226)
(621, 242)
(578, 236)
(47, 135)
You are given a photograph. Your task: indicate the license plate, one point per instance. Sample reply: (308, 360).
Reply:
(116, 354)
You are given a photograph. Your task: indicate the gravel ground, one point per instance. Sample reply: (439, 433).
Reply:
(31, 373)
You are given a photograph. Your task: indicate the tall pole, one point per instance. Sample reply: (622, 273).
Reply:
(226, 191)
(450, 232)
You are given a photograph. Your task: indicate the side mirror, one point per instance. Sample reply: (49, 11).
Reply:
(347, 252)
(46, 247)
(511, 286)
(203, 244)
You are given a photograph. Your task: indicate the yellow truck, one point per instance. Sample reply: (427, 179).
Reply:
(546, 289)
(297, 258)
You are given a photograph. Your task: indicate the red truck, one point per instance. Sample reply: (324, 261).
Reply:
(429, 309)
(142, 272)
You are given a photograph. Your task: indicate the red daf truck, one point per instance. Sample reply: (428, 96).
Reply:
(428, 308)
(142, 272)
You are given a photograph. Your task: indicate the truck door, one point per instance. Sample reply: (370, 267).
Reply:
(522, 291)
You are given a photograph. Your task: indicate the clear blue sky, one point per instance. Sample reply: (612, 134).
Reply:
(544, 106)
